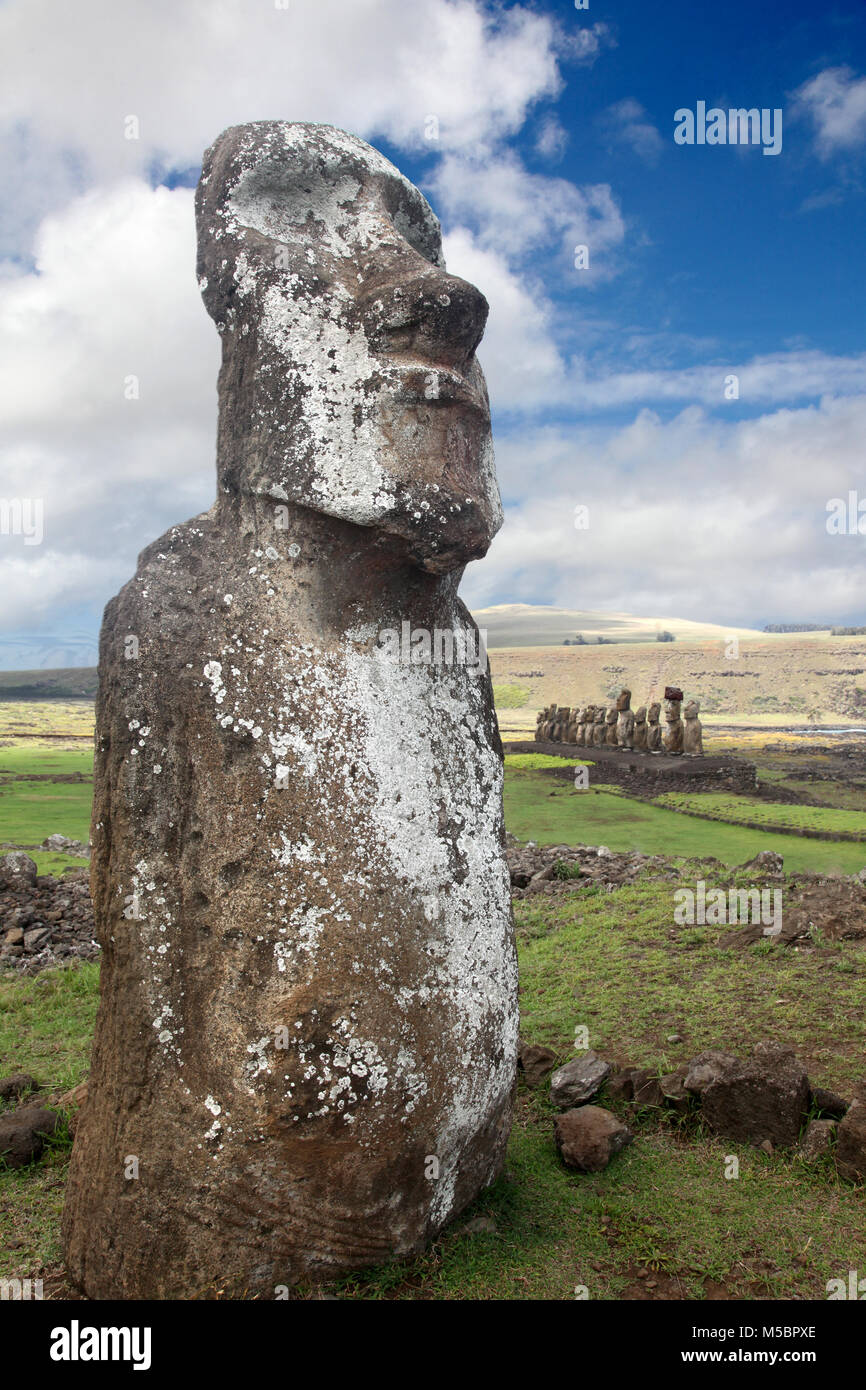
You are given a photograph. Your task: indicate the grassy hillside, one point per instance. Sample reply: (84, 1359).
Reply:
(534, 625)
(70, 683)
(774, 679)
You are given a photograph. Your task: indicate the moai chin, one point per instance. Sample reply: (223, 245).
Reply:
(693, 743)
(640, 729)
(625, 720)
(307, 1028)
(673, 735)
(653, 728)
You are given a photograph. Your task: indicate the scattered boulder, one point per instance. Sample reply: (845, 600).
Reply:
(767, 862)
(706, 1068)
(620, 1083)
(587, 1138)
(828, 1104)
(13, 1087)
(23, 1133)
(17, 870)
(765, 1097)
(578, 1080)
(645, 1088)
(535, 1062)
(851, 1139)
(817, 1141)
(673, 1091)
(62, 844)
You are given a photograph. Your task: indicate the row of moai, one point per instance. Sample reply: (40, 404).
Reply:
(619, 726)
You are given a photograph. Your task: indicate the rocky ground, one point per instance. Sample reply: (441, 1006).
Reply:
(44, 921)
(47, 921)
(813, 905)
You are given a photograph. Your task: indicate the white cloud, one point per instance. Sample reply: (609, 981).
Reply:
(513, 212)
(835, 100)
(71, 74)
(694, 517)
(113, 296)
(626, 123)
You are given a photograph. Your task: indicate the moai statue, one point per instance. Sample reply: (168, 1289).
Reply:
(564, 721)
(572, 727)
(539, 721)
(640, 729)
(673, 735)
(610, 737)
(653, 728)
(693, 743)
(549, 722)
(599, 727)
(625, 720)
(584, 724)
(307, 1031)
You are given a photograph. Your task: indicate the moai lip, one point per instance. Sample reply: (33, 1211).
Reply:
(306, 1044)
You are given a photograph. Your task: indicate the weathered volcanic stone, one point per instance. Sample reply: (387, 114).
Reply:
(535, 1062)
(307, 1031)
(764, 1097)
(579, 1079)
(851, 1139)
(588, 1138)
(23, 1133)
(17, 870)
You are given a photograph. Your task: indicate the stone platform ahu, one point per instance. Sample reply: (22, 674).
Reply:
(306, 1045)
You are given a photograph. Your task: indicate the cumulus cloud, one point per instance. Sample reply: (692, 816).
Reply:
(695, 516)
(513, 212)
(835, 102)
(107, 417)
(185, 71)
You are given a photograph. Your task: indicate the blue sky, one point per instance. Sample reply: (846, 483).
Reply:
(555, 128)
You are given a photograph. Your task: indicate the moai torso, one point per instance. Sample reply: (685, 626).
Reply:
(693, 744)
(640, 729)
(599, 727)
(673, 735)
(308, 974)
(625, 720)
(610, 737)
(653, 728)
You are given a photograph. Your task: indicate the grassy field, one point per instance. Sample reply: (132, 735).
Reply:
(46, 787)
(662, 1220)
(747, 810)
(553, 813)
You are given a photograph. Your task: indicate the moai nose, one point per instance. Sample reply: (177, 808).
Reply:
(431, 314)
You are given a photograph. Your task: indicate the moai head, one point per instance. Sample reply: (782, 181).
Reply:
(587, 714)
(672, 711)
(600, 716)
(691, 710)
(623, 700)
(640, 714)
(349, 383)
(654, 713)
(612, 714)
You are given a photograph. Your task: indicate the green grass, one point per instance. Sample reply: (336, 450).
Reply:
(46, 1023)
(551, 812)
(32, 809)
(531, 762)
(510, 696)
(745, 810)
